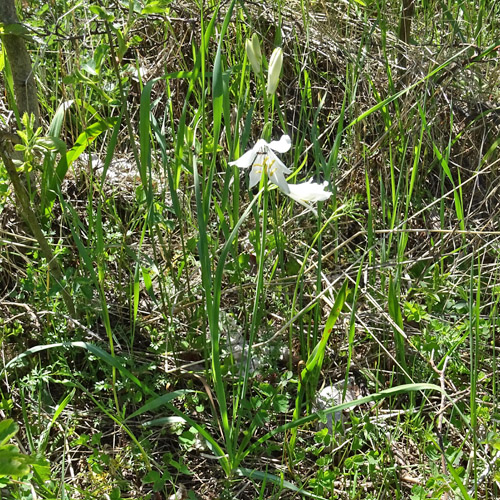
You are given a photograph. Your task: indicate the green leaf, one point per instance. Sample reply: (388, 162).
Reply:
(159, 401)
(102, 13)
(151, 477)
(13, 463)
(280, 403)
(15, 29)
(156, 7)
(316, 357)
(399, 340)
(8, 429)
(83, 141)
(118, 363)
(41, 469)
(310, 373)
(386, 393)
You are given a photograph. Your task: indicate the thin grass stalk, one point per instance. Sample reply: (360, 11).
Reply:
(211, 309)
(404, 31)
(369, 218)
(123, 93)
(117, 418)
(170, 169)
(98, 280)
(203, 195)
(220, 105)
(399, 340)
(474, 340)
(27, 422)
(404, 91)
(443, 161)
(352, 325)
(393, 391)
(331, 171)
(45, 434)
(299, 282)
(145, 172)
(217, 289)
(257, 303)
(321, 171)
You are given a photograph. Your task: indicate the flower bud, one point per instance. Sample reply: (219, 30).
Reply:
(273, 74)
(253, 53)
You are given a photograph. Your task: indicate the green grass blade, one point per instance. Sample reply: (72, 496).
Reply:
(278, 481)
(118, 364)
(393, 391)
(308, 379)
(399, 340)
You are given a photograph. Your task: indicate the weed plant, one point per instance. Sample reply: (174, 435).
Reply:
(243, 204)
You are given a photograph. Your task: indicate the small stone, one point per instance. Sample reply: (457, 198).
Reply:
(331, 395)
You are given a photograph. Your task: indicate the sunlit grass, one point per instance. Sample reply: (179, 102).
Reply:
(208, 313)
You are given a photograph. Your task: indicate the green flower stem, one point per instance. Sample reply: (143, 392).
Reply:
(259, 296)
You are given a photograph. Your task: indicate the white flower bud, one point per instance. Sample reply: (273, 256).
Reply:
(273, 74)
(253, 53)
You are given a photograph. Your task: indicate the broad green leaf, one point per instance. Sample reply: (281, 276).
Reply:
(13, 463)
(8, 429)
(102, 13)
(156, 7)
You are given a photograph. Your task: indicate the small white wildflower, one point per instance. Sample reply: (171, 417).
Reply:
(262, 159)
(309, 192)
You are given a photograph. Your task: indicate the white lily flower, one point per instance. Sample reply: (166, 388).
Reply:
(253, 53)
(273, 74)
(262, 159)
(309, 192)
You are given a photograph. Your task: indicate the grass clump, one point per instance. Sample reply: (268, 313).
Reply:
(172, 308)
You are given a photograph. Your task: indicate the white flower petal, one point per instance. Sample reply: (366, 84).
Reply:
(281, 146)
(304, 204)
(257, 169)
(246, 160)
(276, 169)
(274, 162)
(276, 177)
(309, 191)
(255, 175)
(253, 53)
(261, 146)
